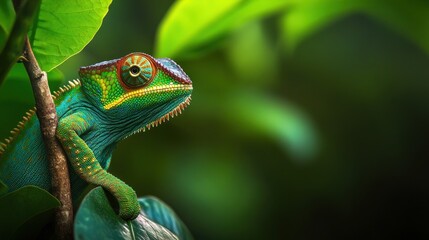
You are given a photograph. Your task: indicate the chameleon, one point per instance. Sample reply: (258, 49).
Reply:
(111, 101)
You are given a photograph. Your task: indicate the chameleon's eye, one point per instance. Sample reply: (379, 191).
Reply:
(136, 70)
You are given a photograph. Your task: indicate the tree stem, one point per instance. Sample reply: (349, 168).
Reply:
(48, 119)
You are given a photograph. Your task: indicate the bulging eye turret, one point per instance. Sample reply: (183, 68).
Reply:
(136, 70)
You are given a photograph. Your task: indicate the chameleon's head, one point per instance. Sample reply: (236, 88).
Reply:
(137, 86)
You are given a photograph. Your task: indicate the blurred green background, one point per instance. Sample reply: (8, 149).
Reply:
(308, 121)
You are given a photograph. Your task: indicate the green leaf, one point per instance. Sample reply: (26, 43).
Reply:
(64, 28)
(7, 17)
(253, 112)
(96, 219)
(186, 20)
(21, 205)
(36, 226)
(3, 188)
(161, 213)
(193, 23)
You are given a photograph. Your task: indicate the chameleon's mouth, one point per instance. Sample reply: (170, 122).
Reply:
(173, 113)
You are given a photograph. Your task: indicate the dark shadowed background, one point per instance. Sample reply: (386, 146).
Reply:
(319, 136)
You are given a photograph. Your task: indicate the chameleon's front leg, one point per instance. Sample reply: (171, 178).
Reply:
(88, 168)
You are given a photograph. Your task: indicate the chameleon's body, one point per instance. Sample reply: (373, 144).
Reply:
(112, 100)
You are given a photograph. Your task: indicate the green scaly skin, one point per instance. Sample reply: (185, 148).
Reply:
(113, 100)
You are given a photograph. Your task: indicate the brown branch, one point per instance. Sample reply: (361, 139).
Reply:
(47, 115)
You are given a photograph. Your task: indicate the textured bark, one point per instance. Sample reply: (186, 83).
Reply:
(48, 119)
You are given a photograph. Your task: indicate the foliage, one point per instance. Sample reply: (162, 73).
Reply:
(55, 35)
(196, 24)
(22, 205)
(160, 213)
(332, 81)
(59, 30)
(7, 17)
(64, 28)
(96, 219)
(193, 29)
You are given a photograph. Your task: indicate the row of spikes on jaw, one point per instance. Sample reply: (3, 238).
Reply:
(173, 113)
(30, 113)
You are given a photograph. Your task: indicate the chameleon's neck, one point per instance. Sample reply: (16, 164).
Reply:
(148, 118)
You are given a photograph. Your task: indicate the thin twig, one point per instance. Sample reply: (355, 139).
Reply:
(47, 115)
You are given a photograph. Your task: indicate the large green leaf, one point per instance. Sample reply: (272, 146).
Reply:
(186, 20)
(96, 219)
(18, 207)
(36, 226)
(7, 17)
(64, 28)
(192, 23)
(161, 213)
